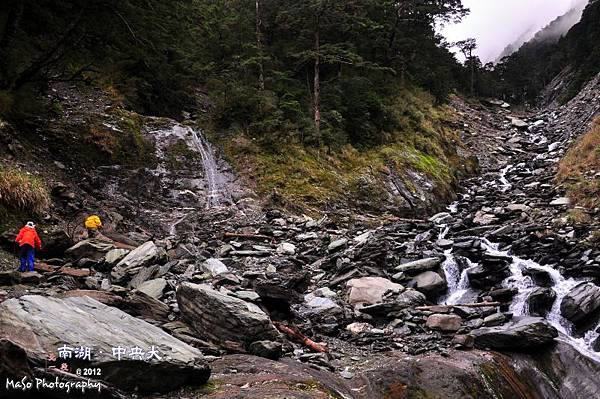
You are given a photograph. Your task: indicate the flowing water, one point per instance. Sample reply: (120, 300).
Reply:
(459, 290)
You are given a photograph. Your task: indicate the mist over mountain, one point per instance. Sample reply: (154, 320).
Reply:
(551, 33)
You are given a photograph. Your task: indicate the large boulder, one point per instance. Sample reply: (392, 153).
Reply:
(370, 290)
(92, 248)
(130, 265)
(521, 333)
(40, 325)
(222, 318)
(582, 301)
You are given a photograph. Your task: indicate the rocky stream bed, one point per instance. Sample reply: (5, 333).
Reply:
(495, 298)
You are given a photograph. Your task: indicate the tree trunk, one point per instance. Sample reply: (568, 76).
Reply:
(261, 77)
(317, 84)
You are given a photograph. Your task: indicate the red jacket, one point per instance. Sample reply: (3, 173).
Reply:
(28, 235)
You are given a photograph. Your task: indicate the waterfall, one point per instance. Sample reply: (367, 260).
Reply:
(216, 184)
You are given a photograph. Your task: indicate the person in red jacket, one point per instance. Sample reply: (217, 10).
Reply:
(28, 241)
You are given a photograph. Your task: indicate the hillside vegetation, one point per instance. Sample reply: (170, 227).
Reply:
(580, 169)
(315, 101)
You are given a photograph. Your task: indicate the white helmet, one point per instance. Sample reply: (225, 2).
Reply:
(31, 224)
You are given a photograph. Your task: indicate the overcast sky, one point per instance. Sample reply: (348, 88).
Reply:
(497, 23)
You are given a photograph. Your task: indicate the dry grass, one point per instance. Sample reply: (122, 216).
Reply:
(579, 170)
(23, 192)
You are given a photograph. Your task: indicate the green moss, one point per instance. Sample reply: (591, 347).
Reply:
(132, 148)
(179, 156)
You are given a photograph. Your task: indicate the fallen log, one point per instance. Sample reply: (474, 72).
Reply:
(293, 332)
(465, 305)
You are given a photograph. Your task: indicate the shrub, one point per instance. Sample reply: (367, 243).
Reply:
(23, 192)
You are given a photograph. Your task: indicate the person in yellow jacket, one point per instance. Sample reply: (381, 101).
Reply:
(93, 224)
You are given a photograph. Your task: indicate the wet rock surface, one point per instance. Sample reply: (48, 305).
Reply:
(353, 307)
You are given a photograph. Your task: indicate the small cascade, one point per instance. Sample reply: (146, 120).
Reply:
(504, 183)
(216, 183)
(458, 282)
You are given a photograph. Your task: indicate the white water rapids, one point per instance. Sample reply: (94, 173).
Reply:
(459, 290)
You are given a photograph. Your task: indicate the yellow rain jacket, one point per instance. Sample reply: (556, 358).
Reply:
(93, 222)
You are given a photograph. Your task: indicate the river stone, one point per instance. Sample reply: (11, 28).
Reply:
(429, 283)
(40, 325)
(540, 301)
(518, 334)
(418, 266)
(444, 322)
(580, 302)
(539, 277)
(92, 248)
(214, 266)
(370, 290)
(153, 288)
(221, 318)
(142, 256)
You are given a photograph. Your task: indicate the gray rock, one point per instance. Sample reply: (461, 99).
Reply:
(429, 283)
(540, 301)
(580, 302)
(562, 201)
(220, 318)
(337, 245)
(251, 296)
(214, 266)
(113, 256)
(153, 288)
(286, 248)
(411, 298)
(267, 349)
(91, 248)
(495, 319)
(143, 275)
(519, 123)
(419, 266)
(520, 333)
(131, 264)
(370, 290)
(517, 208)
(444, 243)
(444, 322)
(41, 324)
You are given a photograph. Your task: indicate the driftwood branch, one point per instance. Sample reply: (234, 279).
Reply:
(293, 333)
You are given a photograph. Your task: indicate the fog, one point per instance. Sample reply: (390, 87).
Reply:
(496, 24)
